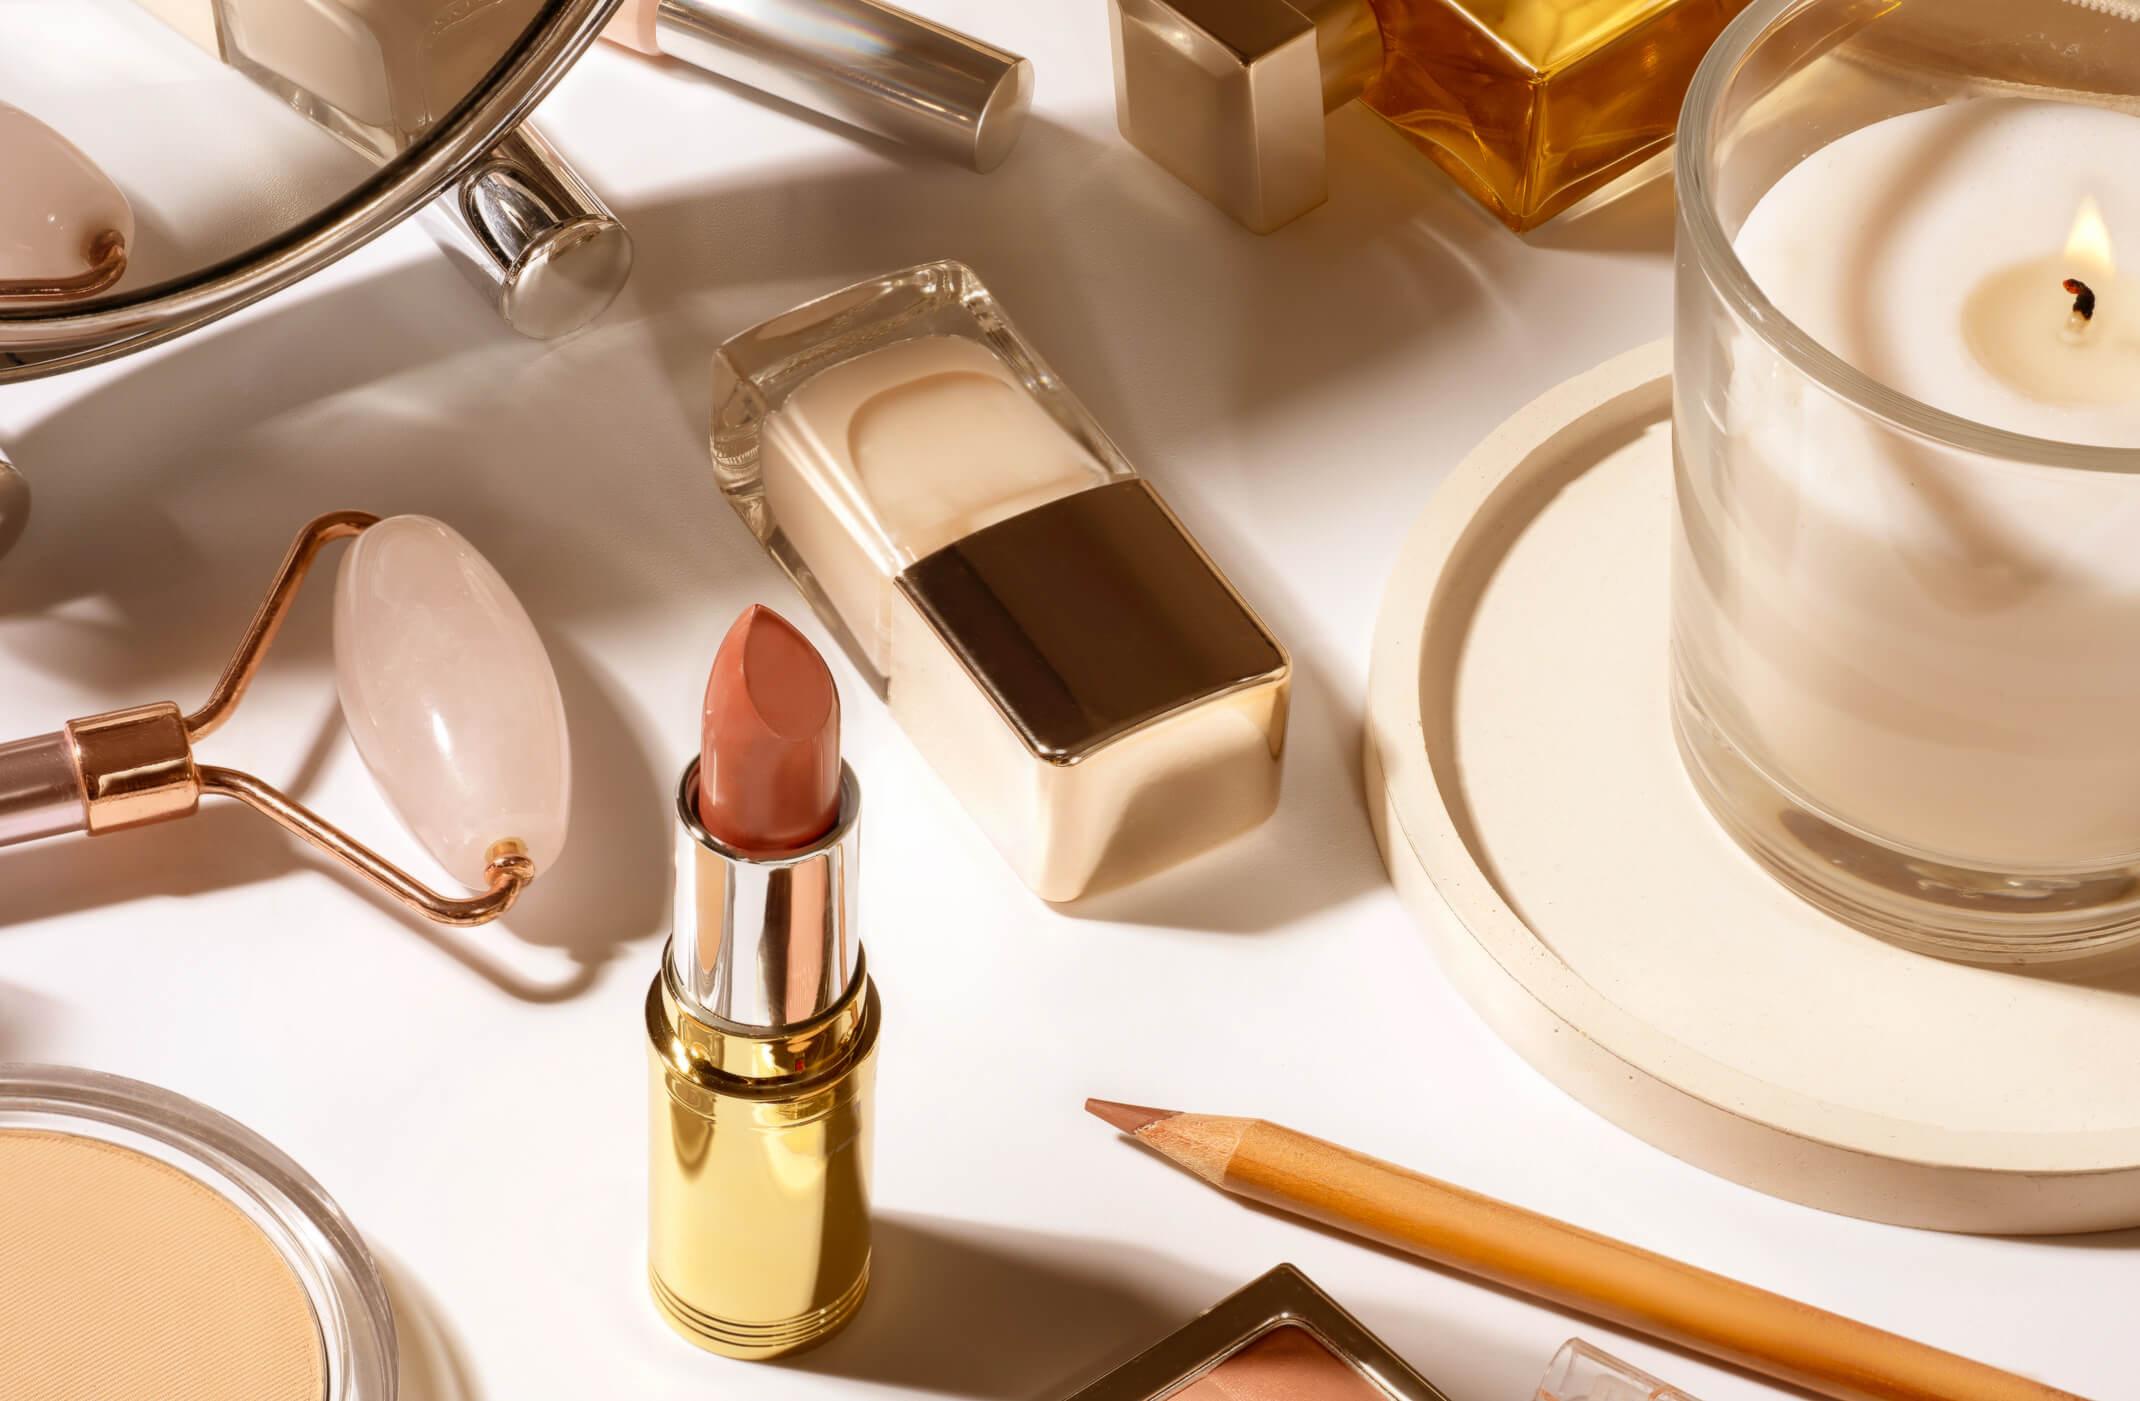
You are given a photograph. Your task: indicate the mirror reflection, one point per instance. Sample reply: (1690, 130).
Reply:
(144, 142)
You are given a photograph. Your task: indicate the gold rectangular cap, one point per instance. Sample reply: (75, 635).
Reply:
(1106, 705)
(1227, 96)
(1091, 617)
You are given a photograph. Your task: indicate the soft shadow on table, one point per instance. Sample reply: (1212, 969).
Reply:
(1639, 221)
(432, 1367)
(28, 1022)
(1239, 328)
(1117, 271)
(2117, 973)
(1001, 1314)
(166, 494)
(2093, 1240)
(989, 1312)
(1316, 852)
(610, 889)
(220, 847)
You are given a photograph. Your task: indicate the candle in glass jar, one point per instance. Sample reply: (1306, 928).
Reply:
(1936, 648)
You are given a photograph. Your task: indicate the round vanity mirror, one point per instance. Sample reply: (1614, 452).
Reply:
(165, 162)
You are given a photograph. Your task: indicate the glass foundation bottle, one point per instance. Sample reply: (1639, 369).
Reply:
(1048, 634)
(1530, 105)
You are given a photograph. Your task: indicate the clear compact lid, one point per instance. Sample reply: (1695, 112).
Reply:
(111, 1147)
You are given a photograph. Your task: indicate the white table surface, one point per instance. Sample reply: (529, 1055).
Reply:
(476, 1100)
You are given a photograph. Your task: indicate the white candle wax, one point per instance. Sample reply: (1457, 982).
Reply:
(1939, 650)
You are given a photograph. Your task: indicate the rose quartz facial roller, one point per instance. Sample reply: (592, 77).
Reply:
(65, 230)
(446, 689)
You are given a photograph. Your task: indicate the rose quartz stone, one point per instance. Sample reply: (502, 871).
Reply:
(450, 696)
(57, 202)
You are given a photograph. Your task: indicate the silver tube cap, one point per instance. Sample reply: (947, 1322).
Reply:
(764, 943)
(864, 63)
(533, 236)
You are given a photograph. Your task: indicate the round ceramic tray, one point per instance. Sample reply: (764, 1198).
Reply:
(1533, 813)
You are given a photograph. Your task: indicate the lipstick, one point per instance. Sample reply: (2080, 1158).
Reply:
(769, 751)
(763, 1021)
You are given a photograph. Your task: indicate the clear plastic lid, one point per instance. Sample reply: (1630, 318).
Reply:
(299, 1221)
(1580, 1372)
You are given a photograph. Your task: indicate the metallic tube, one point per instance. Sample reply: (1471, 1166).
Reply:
(762, 1028)
(40, 792)
(532, 236)
(765, 943)
(864, 63)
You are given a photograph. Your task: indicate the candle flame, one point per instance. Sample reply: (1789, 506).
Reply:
(2090, 242)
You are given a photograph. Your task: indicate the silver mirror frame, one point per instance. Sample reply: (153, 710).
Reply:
(44, 341)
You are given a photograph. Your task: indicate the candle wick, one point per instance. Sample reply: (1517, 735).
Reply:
(2083, 306)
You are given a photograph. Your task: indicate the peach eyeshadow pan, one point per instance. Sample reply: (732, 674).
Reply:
(1286, 1364)
(125, 1279)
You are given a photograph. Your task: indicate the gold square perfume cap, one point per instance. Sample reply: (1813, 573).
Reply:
(1228, 96)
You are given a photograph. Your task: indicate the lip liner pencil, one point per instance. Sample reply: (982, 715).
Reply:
(1566, 1265)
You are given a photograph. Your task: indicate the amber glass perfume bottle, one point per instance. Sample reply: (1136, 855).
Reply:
(1531, 105)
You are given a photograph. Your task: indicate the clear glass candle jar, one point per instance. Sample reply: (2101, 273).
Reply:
(1906, 591)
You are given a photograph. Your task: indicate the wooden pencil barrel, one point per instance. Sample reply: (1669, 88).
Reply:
(1604, 1278)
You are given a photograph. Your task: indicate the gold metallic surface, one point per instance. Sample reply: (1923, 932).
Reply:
(1284, 1298)
(1102, 742)
(1532, 106)
(1228, 97)
(758, 1238)
(1175, 630)
(135, 766)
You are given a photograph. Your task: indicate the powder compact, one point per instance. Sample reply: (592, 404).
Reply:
(158, 1251)
(1278, 1339)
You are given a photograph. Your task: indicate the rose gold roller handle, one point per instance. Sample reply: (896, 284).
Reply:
(39, 794)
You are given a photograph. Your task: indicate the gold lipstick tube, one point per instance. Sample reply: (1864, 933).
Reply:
(762, 1028)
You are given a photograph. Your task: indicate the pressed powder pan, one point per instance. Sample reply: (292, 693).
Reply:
(155, 1250)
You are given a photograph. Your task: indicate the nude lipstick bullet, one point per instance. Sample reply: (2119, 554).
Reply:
(763, 1021)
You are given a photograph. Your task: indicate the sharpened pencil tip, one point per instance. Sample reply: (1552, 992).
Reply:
(1130, 1118)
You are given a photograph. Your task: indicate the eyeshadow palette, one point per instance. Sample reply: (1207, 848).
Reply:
(1278, 1339)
